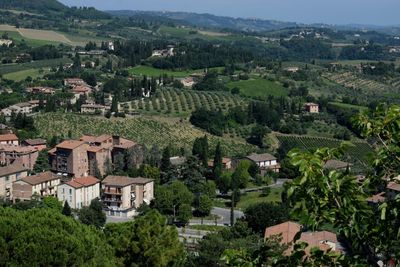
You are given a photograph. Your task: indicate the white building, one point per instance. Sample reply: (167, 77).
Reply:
(24, 108)
(79, 192)
(42, 184)
(8, 175)
(5, 42)
(265, 162)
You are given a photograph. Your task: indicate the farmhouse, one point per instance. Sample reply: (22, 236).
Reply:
(94, 109)
(226, 163)
(74, 82)
(265, 162)
(324, 240)
(311, 107)
(123, 195)
(24, 108)
(82, 90)
(43, 184)
(41, 90)
(8, 175)
(38, 144)
(79, 192)
(292, 69)
(188, 82)
(169, 52)
(5, 42)
(9, 139)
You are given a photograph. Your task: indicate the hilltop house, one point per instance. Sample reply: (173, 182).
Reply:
(94, 109)
(9, 139)
(41, 90)
(8, 175)
(123, 195)
(265, 162)
(43, 184)
(71, 82)
(324, 240)
(79, 192)
(311, 108)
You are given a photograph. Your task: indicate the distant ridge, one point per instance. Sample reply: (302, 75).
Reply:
(211, 21)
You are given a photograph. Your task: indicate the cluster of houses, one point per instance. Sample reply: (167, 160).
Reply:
(169, 52)
(23, 108)
(71, 177)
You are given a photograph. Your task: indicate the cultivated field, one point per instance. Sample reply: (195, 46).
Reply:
(178, 102)
(357, 155)
(23, 74)
(153, 72)
(352, 81)
(259, 88)
(12, 68)
(144, 130)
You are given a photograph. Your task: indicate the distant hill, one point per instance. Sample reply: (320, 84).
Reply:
(211, 21)
(52, 7)
(41, 6)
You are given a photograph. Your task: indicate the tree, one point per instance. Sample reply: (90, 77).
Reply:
(205, 205)
(224, 182)
(217, 168)
(96, 171)
(66, 209)
(108, 166)
(241, 176)
(52, 203)
(42, 163)
(147, 241)
(257, 135)
(165, 159)
(93, 215)
(77, 244)
(262, 215)
(185, 213)
(200, 150)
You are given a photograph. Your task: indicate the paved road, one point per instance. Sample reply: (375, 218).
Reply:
(223, 214)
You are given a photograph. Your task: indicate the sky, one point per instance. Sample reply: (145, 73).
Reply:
(371, 12)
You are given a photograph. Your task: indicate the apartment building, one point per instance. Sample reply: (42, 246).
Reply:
(123, 195)
(8, 175)
(79, 192)
(70, 157)
(43, 184)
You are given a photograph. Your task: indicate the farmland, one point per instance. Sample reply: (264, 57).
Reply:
(260, 88)
(352, 81)
(11, 68)
(348, 106)
(153, 72)
(357, 154)
(21, 75)
(182, 102)
(144, 130)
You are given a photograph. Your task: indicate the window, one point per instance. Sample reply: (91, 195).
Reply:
(70, 191)
(7, 178)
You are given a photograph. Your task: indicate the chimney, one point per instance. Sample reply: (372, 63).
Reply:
(116, 140)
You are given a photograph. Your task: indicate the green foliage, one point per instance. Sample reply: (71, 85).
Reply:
(262, 215)
(241, 175)
(217, 167)
(148, 241)
(42, 163)
(52, 203)
(66, 209)
(185, 213)
(205, 205)
(29, 238)
(93, 215)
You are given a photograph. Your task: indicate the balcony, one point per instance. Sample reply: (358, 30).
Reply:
(112, 200)
(112, 192)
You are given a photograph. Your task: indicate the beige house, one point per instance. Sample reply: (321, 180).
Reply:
(74, 82)
(123, 195)
(8, 175)
(9, 139)
(265, 162)
(311, 108)
(42, 184)
(93, 109)
(79, 192)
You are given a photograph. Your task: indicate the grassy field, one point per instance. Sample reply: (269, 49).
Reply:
(144, 130)
(153, 72)
(18, 38)
(23, 74)
(12, 68)
(258, 88)
(348, 106)
(252, 198)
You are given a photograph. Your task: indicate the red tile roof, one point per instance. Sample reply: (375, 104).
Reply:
(393, 186)
(83, 181)
(40, 178)
(70, 144)
(8, 137)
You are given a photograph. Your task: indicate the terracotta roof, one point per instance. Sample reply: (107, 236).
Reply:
(124, 180)
(125, 144)
(288, 230)
(92, 106)
(95, 139)
(17, 149)
(40, 178)
(393, 186)
(12, 169)
(8, 137)
(94, 149)
(81, 89)
(310, 104)
(83, 181)
(261, 157)
(323, 239)
(35, 142)
(336, 164)
(70, 144)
